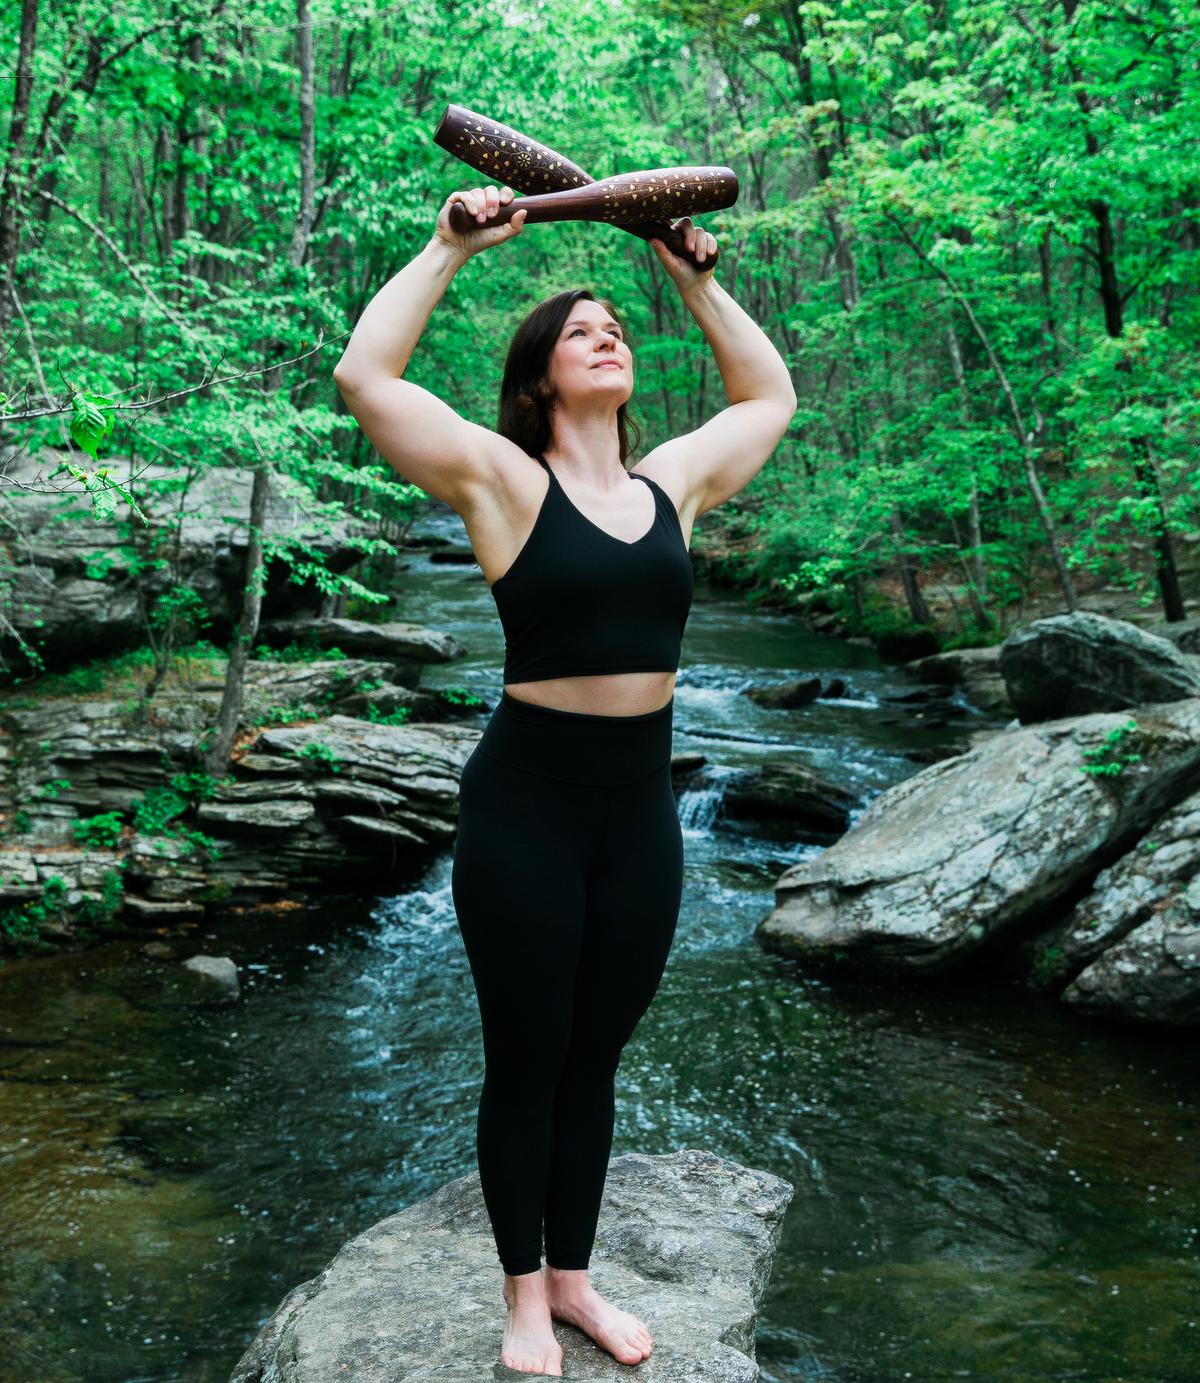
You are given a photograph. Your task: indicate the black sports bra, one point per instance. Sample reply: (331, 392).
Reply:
(578, 601)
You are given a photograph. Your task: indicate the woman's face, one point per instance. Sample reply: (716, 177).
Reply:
(591, 361)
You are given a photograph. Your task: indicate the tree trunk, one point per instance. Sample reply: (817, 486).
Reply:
(1165, 567)
(13, 176)
(1026, 437)
(908, 576)
(308, 157)
(216, 757)
(233, 695)
(85, 85)
(977, 582)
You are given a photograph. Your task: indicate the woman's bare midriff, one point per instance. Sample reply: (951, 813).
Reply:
(608, 694)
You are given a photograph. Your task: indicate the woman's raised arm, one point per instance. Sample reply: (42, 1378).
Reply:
(727, 452)
(418, 434)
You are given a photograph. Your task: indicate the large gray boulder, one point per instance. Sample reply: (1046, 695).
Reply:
(1074, 664)
(685, 1241)
(974, 850)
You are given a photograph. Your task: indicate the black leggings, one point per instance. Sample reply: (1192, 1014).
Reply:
(567, 878)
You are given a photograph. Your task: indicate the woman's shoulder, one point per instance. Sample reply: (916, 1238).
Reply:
(664, 464)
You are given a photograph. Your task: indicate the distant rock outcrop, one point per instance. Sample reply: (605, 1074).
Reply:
(975, 670)
(323, 802)
(71, 586)
(410, 645)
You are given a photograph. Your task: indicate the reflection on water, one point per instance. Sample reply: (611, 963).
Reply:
(986, 1187)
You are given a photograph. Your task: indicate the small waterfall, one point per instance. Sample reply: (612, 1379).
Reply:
(701, 799)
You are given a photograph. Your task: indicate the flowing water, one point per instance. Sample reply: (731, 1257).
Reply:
(987, 1186)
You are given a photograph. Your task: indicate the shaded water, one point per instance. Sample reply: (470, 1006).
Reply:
(986, 1187)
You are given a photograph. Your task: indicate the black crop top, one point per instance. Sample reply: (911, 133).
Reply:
(578, 601)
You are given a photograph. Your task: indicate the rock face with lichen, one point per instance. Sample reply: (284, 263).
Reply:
(1131, 946)
(1069, 847)
(79, 586)
(685, 1241)
(974, 853)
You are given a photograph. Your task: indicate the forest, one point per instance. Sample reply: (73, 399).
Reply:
(936, 729)
(970, 230)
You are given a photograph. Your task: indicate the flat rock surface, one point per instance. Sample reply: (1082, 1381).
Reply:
(685, 1241)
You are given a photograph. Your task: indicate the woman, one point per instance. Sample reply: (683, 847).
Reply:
(568, 863)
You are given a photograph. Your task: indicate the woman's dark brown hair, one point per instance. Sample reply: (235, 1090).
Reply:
(525, 391)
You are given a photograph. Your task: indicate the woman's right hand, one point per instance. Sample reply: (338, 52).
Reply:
(481, 203)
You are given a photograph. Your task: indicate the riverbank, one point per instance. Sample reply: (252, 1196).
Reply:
(346, 768)
(732, 554)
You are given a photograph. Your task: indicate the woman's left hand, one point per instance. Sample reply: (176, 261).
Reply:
(683, 271)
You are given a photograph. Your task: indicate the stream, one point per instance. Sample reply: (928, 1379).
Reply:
(987, 1185)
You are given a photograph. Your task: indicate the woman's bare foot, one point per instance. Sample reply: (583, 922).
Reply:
(529, 1343)
(572, 1298)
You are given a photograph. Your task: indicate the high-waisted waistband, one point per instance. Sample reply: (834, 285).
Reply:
(576, 746)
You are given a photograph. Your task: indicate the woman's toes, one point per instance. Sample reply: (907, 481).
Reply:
(525, 1363)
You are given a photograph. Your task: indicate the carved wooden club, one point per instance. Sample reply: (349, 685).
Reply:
(511, 158)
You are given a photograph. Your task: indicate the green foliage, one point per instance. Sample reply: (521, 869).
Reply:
(396, 717)
(969, 230)
(21, 924)
(281, 715)
(1111, 757)
(112, 673)
(371, 611)
(460, 696)
(97, 675)
(50, 790)
(158, 811)
(101, 832)
(1045, 963)
(317, 753)
(92, 913)
(306, 650)
(179, 606)
(91, 421)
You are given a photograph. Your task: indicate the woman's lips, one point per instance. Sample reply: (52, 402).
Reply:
(603, 364)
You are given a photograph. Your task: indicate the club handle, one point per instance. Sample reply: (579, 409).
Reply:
(462, 222)
(673, 240)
